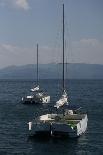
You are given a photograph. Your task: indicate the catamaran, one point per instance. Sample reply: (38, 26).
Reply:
(70, 122)
(36, 95)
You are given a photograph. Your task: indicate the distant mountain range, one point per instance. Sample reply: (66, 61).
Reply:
(53, 71)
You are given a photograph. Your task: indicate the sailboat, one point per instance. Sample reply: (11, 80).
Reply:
(64, 98)
(36, 96)
(70, 122)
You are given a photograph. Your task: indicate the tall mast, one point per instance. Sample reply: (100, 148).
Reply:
(37, 65)
(63, 50)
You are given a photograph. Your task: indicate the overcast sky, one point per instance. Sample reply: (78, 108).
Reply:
(24, 23)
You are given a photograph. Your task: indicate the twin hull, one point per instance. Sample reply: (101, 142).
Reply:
(60, 129)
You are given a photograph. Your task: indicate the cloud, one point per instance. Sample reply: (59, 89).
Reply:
(87, 51)
(21, 4)
(83, 51)
(15, 55)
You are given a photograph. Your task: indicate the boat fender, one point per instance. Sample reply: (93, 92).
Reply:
(30, 125)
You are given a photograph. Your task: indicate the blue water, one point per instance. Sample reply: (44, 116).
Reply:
(14, 115)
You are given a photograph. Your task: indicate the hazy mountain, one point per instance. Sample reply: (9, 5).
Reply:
(51, 71)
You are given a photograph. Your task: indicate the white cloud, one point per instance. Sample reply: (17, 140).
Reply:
(87, 51)
(14, 55)
(83, 51)
(22, 4)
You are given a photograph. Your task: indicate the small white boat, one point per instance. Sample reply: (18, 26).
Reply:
(68, 123)
(36, 95)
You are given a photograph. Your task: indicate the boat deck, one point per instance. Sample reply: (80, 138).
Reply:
(59, 118)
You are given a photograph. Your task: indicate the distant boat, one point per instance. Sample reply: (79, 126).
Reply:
(70, 122)
(36, 96)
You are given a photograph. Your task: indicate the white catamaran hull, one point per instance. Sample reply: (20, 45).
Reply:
(61, 129)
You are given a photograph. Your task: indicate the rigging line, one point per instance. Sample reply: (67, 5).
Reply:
(69, 53)
(57, 54)
(37, 66)
(63, 50)
(57, 44)
(58, 82)
(34, 66)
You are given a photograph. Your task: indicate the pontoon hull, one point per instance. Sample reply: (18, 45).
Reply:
(40, 129)
(62, 129)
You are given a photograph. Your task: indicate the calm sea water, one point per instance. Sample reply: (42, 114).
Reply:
(14, 116)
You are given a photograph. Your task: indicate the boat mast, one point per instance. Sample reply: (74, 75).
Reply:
(37, 66)
(63, 51)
